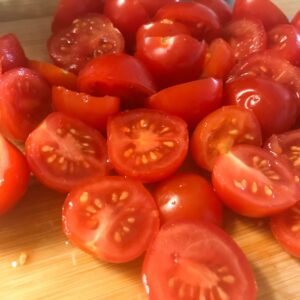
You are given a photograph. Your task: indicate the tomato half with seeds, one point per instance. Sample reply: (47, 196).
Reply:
(220, 131)
(196, 260)
(112, 218)
(146, 144)
(253, 183)
(63, 152)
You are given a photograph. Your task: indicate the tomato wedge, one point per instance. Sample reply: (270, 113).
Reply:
(196, 260)
(146, 144)
(112, 218)
(63, 152)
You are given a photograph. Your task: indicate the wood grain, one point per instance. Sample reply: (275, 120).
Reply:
(55, 270)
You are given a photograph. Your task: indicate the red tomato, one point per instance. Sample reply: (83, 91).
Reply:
(11, 53)
(87, 37)
(53, 74)
(245, 37)
(253, 183)
(191, 101)
(69, 10)
(286, 229)
(63, 152)
(14, 176)
(172, 60)
(146, 144)
(264, 10)
(190, 260)
(118, 75)
(284, 41)
(94, 111)
(219, 59)
(262, 95)
(188, 196)
(153, 6)
(25, 100)
(202, 21)
(296, 20)
(112, 218)
(220, 131)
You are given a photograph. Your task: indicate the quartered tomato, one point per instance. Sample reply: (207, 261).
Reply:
(146, 144)
(220, 131)
(196, 260)
(112, 218)
(254, 183)
(296, 20)
(63, 152)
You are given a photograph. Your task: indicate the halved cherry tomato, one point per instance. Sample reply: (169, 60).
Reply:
(253, 183)
(220, 131)
(153, 6)
(69, 10)
(191, 260)
(25, 100)
(263, 10)
(191, 101)
(273, 103)
(11, 53)
(90, 36)
(93, 111)
(118, 75)
(296, 20)
(112, 218)
(14, 175)
(172, 60)
(147, 144)
(202, 21)
(188, 196)
(63, 152)
(53, 74)
(286, 229)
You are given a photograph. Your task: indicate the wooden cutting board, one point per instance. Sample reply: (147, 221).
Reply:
(55, 270)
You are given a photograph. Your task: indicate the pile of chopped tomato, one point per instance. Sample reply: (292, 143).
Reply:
(144, 97)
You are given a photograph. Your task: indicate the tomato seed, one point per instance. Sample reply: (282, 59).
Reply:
(228, 279)
(124, 195)
(84, 197)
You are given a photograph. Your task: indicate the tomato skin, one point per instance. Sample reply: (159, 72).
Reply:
(172, 60)
(153, 6)
(191, 101)
(296, 21)
(15, 176)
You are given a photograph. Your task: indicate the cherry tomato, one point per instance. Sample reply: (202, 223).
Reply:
(188, 196)
(254, 183)
(112, 218)
(191, 101)
(11, 53)
(220, 131)
(93, 111)
(245, 37)
(118, 75)
(25, 100)
(146, 144)
(286, 229)
(14, 176)
(153, 6)
(264, 95)
(264, 10)
(172, 60)
(69, 10)
(190, 260)
(284, 41)
(202, 21)
(296, 20)
(63, 152)
(87, 37)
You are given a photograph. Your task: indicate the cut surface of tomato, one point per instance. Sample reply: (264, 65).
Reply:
(196, 260)
(147, 144)
(112, 218)
(63, 152)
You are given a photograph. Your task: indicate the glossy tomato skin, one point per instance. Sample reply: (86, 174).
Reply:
(153, 6)
(296, 20)
(191, 101)
(14, 178)
(172, 60)
(264, 95)
(25, 100)
(189, 254)
(113, 218)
